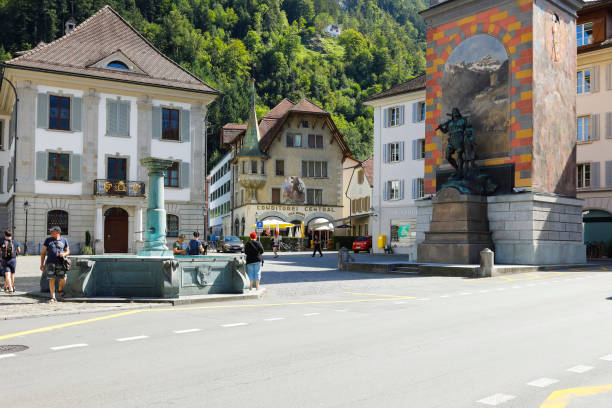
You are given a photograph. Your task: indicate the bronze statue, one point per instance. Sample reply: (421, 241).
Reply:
(460, 141)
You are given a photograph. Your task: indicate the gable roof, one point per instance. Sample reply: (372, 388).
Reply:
(103, 34)
(272, 122)
(368, 169)
(415, 84)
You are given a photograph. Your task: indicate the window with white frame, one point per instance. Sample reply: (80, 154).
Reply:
(394, 116)
(418, 188)
(584, 175)
(583, 125)
(418, 149)
(314, 196)
(421, 112)
(314, 169)
(584, 34)
(294, 140)
(583, 81)
(394, 187)
(394, 152)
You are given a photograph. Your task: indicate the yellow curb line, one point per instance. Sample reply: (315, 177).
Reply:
(560, 398)
(131, 312)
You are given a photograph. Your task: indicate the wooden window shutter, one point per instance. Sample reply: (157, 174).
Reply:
(415, 149)
(415, 188)
(1, 179)
(608, 125)
(184, 175)
(385, 156)
(595, 172)
(595, 79)
(76, 114)
(401, 115)
(401, 192)
(609, 76)
(156, 126)
(42, 159)
(386, 117)
(609, 174)
(595, 125)
(415, 112)
(111, 117)
(401, 151)
(185, 125)
(123, 121)
(75, 167)
(42, 111)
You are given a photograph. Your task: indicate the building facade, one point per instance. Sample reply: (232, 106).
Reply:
(359, 189)
(219, 199)
(594, 122)
(399, 151)
(288, 168)
(92, 104)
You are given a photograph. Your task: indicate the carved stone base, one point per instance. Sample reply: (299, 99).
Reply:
(458, 231)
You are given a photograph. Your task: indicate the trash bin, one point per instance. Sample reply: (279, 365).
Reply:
(382, 241)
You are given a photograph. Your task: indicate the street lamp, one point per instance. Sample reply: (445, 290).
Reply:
(26, 207)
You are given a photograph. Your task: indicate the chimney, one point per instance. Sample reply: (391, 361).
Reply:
(69, 25)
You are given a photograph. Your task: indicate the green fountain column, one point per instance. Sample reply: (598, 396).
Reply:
(155, 221)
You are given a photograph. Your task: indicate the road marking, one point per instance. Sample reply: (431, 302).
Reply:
(579, 369)
(607, 358)
(496, 399)
(543, 382)
(465, 293)
(399, 303)
(68, 346)
(234, 324)
(132, 338)
(484, 291)
(445, 296)
(423, 299)
(561, 398)
(341, 310)
(6, 355)
(311, 314)
(373, 294)
(187, 331)
(516, 287)
(273, 319)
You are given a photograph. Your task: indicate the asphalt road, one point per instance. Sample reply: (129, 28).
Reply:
(325, 338)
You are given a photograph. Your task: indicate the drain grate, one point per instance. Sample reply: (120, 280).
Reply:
(12, 348)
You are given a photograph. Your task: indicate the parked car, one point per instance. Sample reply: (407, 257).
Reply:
(362, 244)
(230, 244)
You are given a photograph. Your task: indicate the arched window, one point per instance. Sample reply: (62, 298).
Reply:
(117, 65)
(236, 226)
(172, 225)
(243, 226)
(59, 218)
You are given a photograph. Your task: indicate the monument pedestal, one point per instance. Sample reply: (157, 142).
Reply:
(458, 231)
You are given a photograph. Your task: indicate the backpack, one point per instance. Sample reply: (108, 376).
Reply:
(8, 249)
(194, 247)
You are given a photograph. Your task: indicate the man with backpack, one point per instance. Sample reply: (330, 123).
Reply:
(9, 251)
(195, 247)
(253, 250)
(55, 249)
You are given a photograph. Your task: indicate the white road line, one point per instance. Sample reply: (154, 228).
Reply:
(496, 399)
(311, 314)
(607, 358)
(187, 331)
(465, 293)
(399, 303)
(234, 324)
(579, 369)
(341, 310)
(68, 346)
(516, 287)
(273, 319)
(6, 355)
(543, 382)
(444, 296)
(423, 299)
(483, 291)
(132, 338)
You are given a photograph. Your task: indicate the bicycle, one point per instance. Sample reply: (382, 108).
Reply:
(287, 246)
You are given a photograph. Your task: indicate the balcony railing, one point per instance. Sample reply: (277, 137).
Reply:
(103, 187)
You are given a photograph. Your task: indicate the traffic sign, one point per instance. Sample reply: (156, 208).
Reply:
(260, 225)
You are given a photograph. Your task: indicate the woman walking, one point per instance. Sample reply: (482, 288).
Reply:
(253, 250)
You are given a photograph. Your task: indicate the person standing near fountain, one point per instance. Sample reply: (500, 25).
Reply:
(253, 250)
(179, 247)
(55, 249)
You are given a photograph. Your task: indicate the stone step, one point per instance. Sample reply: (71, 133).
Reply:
(410, 270)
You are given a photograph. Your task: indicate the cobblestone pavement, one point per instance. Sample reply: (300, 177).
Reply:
(27, 279)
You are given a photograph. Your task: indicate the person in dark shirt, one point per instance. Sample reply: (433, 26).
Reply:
(55, 248)
(9, 250)
(253, 250)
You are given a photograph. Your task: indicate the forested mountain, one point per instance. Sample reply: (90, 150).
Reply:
(281, 43)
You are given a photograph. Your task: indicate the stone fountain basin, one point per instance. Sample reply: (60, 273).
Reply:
(133, 276)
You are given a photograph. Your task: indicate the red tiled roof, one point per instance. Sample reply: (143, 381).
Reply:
(414, 84)
(280, 110)
(100, 36)
(305, 106)
(368, 169)
(231, 131)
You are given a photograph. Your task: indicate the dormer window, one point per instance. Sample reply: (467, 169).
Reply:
(117, 65)
(584, 34)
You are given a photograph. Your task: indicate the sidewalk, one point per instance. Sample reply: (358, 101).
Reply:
(27, 278)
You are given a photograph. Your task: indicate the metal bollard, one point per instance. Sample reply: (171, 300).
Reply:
(487, 258)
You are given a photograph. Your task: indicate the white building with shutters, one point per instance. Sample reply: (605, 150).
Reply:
(594, 123)
(92, 104)
(399, 151)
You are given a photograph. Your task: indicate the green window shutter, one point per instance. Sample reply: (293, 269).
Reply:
(76, 113)
(42, 111)
(111, 117)
(124, 119)
(41, 165)
(184, 176)
(156, 128)
(75, 167)
(185, 124)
